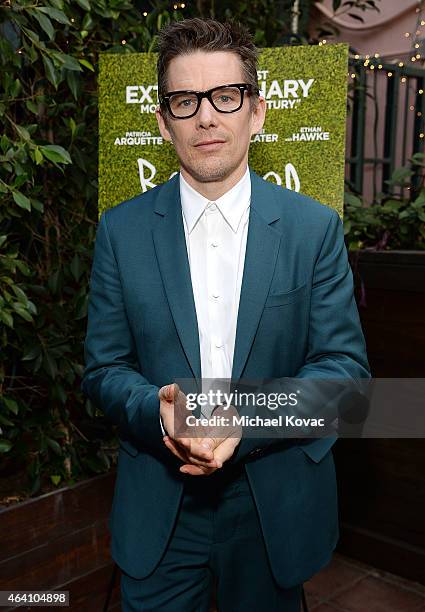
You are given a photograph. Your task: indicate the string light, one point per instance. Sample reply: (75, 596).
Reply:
(419, 114)
(421, 135)
(421, 91)
(123, 42)
(145, 14)
(72, 20)
(415, 43)
(412, 108)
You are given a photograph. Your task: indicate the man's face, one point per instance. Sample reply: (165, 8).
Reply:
(211, 146)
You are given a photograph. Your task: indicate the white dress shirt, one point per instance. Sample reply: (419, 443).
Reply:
(216, 233)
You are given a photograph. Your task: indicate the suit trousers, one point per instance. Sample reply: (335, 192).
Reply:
(216, 544)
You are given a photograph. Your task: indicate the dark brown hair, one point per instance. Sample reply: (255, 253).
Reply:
(189, 35)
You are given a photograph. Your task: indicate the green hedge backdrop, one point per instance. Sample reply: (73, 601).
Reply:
(302, 145)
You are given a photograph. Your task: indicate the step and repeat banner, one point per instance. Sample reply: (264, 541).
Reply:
(301, 147)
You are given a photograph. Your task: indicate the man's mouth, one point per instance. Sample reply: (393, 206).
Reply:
(209, 145)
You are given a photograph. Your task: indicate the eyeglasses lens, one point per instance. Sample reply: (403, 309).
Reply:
(225, 99)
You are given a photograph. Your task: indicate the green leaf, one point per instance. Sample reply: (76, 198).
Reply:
(32, 36)
(21, 295)
(44, 22)
(50, 365)
(53, 281)
(31, 107)
(7, 318)
(4, 143)
(87, 64)
(65, 61)
(51, 72)
(2, 240)
(71, 63)
(11, 405)
(55, 446)
(31, 354)
(56, 153)
(85, 4)
(38, 156)
(5, 446)
(5, 421)
(393, 205)
(88, 22)
(23, 133)
(55, 14)
(352, 200)
(23, 268)
(37, 205)
(55, 478)
(72, 126)
(73, 83)
(22, 200)
(16, 88)
(22, 312)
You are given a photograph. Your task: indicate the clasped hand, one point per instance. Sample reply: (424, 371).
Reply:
(207, 448)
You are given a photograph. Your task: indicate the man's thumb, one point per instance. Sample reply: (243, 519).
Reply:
(169, 392)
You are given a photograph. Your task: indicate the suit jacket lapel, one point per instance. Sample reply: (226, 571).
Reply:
(260, 259)
(171, 252)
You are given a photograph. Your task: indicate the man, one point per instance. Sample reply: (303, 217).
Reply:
(218, 274)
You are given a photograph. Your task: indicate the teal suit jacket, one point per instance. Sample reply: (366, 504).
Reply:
(297, 318)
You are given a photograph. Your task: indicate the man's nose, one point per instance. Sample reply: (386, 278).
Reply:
(206, 115)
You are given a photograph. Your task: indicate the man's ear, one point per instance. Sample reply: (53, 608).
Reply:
(258, 115)
(162, 124)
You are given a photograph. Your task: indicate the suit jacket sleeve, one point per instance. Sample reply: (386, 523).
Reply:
(336, 346)
(112, 378)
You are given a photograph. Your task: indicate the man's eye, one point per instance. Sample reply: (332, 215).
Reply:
(225, 99)
(186, 102)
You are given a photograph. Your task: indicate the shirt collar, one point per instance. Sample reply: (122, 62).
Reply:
(231, 205)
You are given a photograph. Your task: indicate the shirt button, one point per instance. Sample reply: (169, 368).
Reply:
(214, 244)
(215, 296)
(212, 206)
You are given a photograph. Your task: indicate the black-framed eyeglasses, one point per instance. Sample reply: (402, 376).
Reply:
(224, 99)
